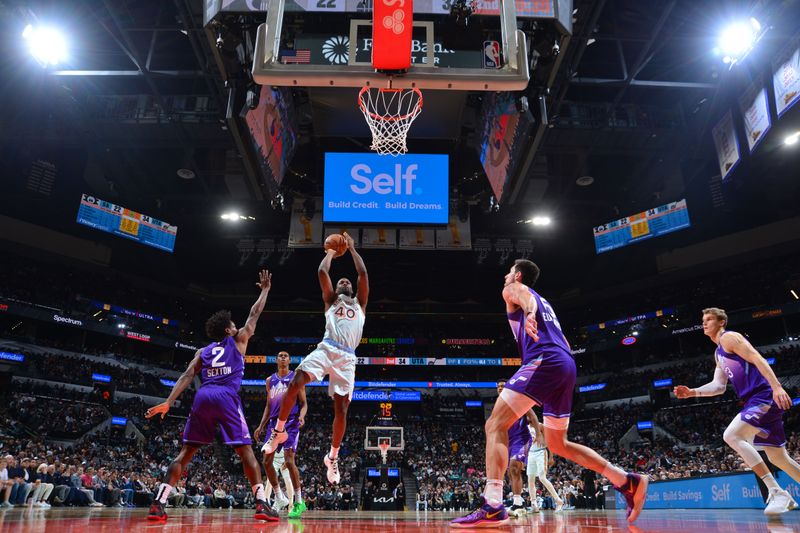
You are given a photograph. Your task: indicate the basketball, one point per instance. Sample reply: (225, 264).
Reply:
(336, 242)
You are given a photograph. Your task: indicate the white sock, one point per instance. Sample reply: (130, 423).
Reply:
(494, 492)
(279, 493)
(334, 453)
(298, 498)
(258, 492)
(517, 499)
(163, 492)
(770, 482)
(279, 425)
(615, 475)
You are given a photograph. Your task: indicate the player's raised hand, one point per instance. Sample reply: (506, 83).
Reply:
(531, 327)
(264, 280)
(782, 398)
(351, 244)
(682, 392)
(162, 409)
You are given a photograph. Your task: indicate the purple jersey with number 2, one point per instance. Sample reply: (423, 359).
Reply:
(217, 403)
(222, 364)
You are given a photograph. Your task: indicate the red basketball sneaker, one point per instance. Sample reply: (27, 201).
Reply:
(157, 512)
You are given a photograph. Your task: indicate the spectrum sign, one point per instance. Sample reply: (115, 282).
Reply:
(374, 189)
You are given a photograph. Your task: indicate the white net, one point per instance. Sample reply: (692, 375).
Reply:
(389, 114)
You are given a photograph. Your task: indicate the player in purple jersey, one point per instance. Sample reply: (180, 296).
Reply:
(760, 423)
(217, 403)
(546, 378)
(519, 440)
(277, 385)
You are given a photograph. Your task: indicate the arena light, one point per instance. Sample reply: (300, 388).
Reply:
(791, 140)
(796, 297)
(737, 39)
(46, 45)
(233, 216)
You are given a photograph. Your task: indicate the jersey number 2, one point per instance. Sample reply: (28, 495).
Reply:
(217, 352)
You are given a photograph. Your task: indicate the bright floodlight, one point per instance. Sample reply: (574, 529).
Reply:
(792, 139)
(232, 216)
(46, 45)
(738, 39)
(541, 221)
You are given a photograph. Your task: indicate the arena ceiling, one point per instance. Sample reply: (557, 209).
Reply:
(630, 99)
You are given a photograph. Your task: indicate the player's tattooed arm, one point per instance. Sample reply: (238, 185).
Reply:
(325, 283)
(736, 343)
(517, 296)
(184, 381)
(361, 269)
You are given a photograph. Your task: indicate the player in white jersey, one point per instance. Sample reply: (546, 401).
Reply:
(279, 464)
(537, 464)
(334, 356)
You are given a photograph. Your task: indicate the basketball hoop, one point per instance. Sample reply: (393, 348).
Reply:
(384, 446)
(389, 114)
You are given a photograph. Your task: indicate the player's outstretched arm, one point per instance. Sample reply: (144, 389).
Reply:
(715, 387)
(184, 381)
(265, 284)
(325, 283)
(736, 343)
(361, 269)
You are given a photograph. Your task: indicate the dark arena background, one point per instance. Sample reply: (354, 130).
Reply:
(155, 155)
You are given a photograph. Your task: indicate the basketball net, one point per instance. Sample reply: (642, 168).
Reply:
(389, 114)
(384, 446)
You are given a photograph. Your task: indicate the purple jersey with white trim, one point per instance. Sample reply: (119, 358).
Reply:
(518, 432)
(277, 387)
(551, 339)
(222, 364)
(746, 379)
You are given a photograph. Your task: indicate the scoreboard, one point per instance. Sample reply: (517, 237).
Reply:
(105, 216)
(651, 223)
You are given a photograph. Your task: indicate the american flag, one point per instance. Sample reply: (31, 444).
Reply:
(295, 56)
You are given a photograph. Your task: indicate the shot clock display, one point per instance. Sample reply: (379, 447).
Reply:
(105, 216)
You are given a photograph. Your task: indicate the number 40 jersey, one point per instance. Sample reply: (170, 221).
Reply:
(344, 322)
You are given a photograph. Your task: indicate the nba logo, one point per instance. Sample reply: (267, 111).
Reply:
(491, 54)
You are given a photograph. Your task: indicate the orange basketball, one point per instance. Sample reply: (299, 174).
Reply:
(336, 242)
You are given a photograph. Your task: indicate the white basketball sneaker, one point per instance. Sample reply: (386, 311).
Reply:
(333, 469)
(276, 439)
(778, 502)
(281, 501)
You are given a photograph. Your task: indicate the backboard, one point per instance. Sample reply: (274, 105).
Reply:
(376, 434)
(347, 55)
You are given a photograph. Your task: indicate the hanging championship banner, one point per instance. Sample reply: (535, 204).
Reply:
(305, 232)
(379, 238)
(755, 112)
(417, 239)
(455, 237)
(786, 78)
(726, 144)
(353, 232)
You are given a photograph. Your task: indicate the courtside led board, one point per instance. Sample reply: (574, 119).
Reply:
(651, 223)
(118, 220)
(368, 188)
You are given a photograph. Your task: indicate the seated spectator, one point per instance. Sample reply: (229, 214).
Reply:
(42, 489)
(5, 483)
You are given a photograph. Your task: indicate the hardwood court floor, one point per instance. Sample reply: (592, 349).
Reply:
(82, 520)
